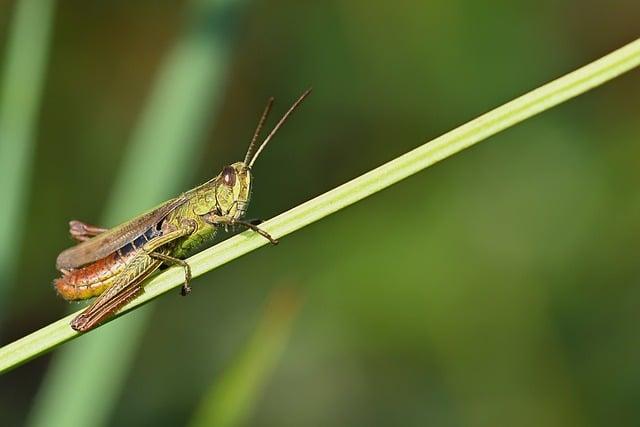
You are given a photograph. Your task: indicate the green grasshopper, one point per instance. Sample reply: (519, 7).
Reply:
(112, 263)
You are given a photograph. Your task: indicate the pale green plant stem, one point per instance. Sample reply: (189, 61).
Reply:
(530, 104)
(20, 92)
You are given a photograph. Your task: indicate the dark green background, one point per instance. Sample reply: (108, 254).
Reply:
(499, 287)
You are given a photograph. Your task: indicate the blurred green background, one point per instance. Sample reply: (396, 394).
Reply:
(499, 287)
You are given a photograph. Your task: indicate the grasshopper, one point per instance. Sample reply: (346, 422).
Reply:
(111, 264)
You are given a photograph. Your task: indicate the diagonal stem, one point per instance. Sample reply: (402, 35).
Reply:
(505, 116)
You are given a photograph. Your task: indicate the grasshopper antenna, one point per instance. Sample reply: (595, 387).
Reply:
(263, 118)
(277, 126)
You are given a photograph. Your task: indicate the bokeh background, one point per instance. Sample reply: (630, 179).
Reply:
(499, 287)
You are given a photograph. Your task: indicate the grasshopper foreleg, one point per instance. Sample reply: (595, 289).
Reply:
(257, 229)
(222, 220)
(186, 287)
(82, 231)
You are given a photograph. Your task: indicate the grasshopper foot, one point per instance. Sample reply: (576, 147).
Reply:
(185, 290)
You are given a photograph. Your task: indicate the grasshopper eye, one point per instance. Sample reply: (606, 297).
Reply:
(229, 176)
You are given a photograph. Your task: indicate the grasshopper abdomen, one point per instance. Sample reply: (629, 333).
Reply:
(91, 280)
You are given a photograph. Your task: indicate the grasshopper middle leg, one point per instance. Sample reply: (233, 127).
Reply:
(152, 246)
(186, 287)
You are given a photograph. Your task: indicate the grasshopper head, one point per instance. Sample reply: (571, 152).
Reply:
(233, 188)
(233, 185)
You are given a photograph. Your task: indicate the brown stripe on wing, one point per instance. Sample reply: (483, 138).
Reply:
(110, 241)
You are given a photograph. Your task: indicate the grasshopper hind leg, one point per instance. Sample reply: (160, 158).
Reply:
(186, 287)
(89, 318)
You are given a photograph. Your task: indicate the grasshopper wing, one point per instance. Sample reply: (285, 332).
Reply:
(110, 241)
